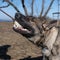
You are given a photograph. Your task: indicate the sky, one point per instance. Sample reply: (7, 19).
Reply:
(37, 8)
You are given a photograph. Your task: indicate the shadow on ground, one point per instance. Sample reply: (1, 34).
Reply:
(36, 58)
(3, 52)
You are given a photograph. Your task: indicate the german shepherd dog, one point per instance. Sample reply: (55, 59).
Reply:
(40, 32)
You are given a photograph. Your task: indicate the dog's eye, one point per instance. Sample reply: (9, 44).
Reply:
(17, 16)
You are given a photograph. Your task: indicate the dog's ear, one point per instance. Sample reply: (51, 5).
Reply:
(17, 16)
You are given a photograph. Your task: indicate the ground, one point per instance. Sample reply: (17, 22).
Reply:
(14, 46)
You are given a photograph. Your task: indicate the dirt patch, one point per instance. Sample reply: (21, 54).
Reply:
(14, 46)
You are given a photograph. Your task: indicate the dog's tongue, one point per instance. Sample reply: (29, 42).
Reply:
(25, 30)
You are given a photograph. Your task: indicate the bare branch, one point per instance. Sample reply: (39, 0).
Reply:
(7, 14)
(12, 5)
(42, 8)
(5, 6)
(48, 8)
(32, 7)
(25, 9)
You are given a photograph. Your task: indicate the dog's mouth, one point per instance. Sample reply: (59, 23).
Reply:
(23, 29)
(20, 28)
(26, 30)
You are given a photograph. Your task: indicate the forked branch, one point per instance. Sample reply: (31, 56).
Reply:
(32, 4)
(7, 14)
(48, 8)
(42, 10)
(5, 6)
(25, 9)
(12, 5)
